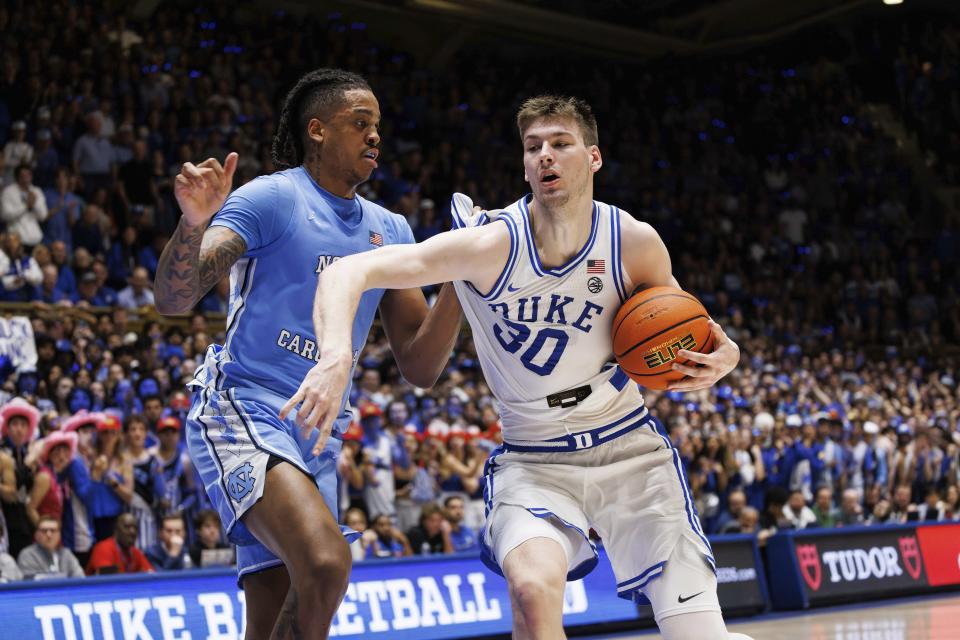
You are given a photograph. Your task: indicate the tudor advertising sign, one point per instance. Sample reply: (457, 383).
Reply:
(870, 562)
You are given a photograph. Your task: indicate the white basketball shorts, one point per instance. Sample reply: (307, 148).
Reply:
(632, 491)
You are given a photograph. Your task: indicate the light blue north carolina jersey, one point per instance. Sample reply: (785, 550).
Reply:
(293, 230)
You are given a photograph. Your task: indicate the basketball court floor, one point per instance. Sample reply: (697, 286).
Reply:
(923, 618)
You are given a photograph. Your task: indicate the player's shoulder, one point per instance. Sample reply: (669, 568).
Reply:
(632, 228)
(612, 210)
(264, 181)
(272, 187)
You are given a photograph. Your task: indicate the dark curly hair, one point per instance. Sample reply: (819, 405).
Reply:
(311, 97)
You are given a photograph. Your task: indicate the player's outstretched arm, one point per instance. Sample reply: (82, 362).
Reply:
(647, 262)
(476, 255)
(196, 257)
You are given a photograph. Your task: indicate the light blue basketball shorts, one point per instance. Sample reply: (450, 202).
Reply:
(231, 435)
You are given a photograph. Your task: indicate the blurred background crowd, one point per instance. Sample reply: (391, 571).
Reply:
(777, 178)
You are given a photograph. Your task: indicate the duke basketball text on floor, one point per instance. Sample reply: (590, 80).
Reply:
(480, 319)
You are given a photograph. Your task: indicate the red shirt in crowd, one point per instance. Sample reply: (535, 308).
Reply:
(52, 503)
(108, 557)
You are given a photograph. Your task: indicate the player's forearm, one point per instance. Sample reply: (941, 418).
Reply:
(425, 355)
(177, 285)
(342, 284)
(194, 260)
(459, 255)
(339, 289)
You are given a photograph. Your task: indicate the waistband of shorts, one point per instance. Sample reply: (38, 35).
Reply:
(583, 439)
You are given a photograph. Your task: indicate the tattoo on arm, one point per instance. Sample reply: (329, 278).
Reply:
(192, 262)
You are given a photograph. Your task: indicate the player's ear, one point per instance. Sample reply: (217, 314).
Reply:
(526, 178)
(315, 130)
(596, 160)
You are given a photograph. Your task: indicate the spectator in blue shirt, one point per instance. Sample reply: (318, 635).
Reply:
(60, 255)
(63, 209)
(99, 268)
(124, 256)
(804, 461)
(138, 293)
(169, 553)
(462, 537)
(93, 156)
(89, 293)
(88, 230)
(48, 291)
(46, 160)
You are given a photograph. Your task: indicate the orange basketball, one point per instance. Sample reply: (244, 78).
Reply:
(651, 327)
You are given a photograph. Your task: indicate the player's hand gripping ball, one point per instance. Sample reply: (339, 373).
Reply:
(653, 331)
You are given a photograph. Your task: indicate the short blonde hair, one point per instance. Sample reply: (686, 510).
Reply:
(548, 106)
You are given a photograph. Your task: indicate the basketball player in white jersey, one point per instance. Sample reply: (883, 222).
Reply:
(580, 450)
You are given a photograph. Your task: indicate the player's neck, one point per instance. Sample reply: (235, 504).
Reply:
(329, 181)
(560, 232)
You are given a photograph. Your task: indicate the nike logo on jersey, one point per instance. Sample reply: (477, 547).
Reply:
(681, 599)
(512, 289)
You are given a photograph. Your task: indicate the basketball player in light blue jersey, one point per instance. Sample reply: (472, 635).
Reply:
(580, 450)
(274, 236)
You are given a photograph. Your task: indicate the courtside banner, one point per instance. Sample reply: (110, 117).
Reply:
(822, 566)
(439, 597)
(940, 549)
(741, 584)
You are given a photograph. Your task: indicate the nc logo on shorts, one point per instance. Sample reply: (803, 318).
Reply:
(240, 483)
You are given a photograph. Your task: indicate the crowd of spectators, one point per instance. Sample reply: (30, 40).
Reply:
(927, 68)
(786, 210)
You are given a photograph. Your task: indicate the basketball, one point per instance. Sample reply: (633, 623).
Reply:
(651, 327)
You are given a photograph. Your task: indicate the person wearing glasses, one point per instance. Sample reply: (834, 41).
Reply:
(46, 558)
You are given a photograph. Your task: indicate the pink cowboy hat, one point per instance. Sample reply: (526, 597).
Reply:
(82, 418)
(56, 439)
(19, 407)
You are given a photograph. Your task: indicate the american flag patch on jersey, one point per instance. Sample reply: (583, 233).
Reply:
(596, 266)
(376, 239)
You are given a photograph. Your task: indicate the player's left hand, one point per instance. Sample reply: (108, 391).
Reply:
(713, 366)
(319, 398)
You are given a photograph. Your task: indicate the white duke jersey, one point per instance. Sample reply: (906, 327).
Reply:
(543, 335)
